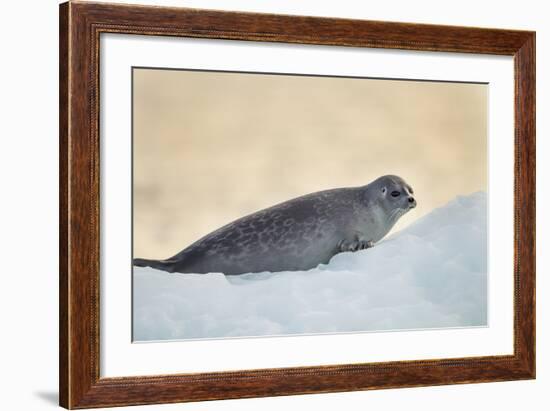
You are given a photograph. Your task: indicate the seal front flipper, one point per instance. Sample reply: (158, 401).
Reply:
(355, 245)
(164, 265)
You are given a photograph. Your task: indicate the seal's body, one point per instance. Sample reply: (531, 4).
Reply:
(298, 234)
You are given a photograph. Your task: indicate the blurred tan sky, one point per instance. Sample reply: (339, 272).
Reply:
(211, 147)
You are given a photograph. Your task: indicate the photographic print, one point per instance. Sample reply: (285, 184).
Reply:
(280, 204)
(355, 198)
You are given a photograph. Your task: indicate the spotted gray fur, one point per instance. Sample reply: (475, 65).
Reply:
(298, 234)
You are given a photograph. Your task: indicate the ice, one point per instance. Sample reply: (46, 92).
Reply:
(431, 274)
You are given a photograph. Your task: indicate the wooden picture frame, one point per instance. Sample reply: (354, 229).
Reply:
(80, 27)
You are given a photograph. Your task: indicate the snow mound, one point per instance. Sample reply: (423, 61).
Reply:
(432, 274)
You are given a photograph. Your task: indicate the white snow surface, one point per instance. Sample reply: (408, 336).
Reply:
(432, 274)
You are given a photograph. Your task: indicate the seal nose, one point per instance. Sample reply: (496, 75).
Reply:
(411, 199)
(412, 202)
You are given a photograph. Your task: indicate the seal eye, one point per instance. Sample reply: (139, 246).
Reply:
(395, 193)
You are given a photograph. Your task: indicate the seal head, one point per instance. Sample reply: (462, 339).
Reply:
(298, 234)
(384, 202)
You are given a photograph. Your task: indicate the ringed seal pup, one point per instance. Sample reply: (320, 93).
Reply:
(298, 234)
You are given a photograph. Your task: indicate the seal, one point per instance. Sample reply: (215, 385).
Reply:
(298, 234)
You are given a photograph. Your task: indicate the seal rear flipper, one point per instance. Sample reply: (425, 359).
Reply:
(164, 265)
